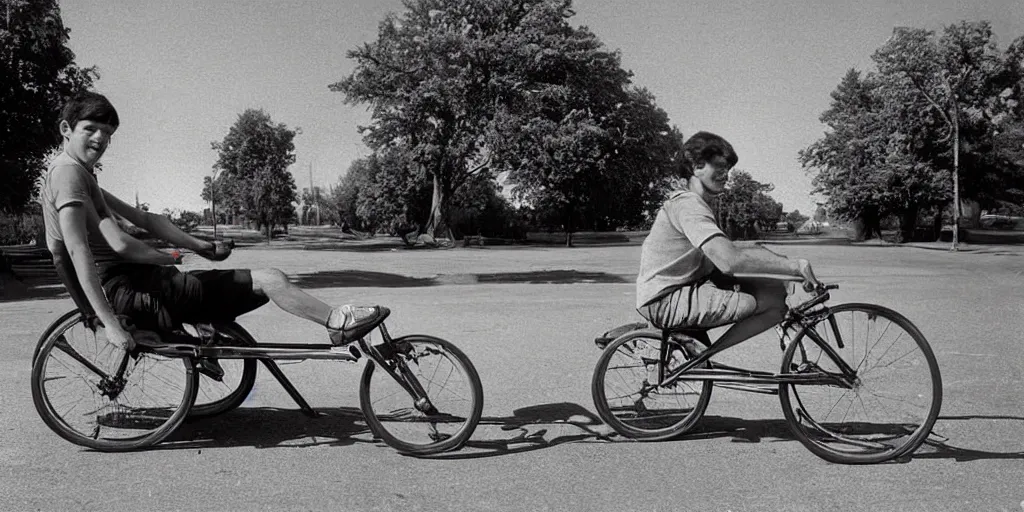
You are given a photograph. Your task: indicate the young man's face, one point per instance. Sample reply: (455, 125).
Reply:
(87, 140)
(713, 176)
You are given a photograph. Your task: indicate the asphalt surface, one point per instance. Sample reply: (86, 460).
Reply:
(527, 316)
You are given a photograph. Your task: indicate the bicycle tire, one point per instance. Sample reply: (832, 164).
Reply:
(831, 431)
(629, 415)
(124, 423)
(215, 397)
(401, 425)
(49, 329)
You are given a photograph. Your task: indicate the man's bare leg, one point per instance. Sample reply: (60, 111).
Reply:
(275, 285)
(771, 307)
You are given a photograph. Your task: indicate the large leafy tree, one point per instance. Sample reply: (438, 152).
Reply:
(253, 160)
(468, 87)
(921, 131)
(745, 208)
(37, 75)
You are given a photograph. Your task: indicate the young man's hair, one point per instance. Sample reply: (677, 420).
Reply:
(704, 148)
(89, 106)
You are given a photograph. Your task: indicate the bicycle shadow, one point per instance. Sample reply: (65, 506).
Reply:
(526, 429)
(756, 431)
(271, 427)
(938, 447)
(532, 428)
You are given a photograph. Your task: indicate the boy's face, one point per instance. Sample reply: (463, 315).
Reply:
(713, 176)
(87, 140)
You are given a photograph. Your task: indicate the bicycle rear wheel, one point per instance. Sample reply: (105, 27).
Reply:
(215, 397)
(628, 398)
(894, 401)
(454, 394)
(93, 394)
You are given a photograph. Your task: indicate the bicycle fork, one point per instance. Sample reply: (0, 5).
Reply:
(398, 370)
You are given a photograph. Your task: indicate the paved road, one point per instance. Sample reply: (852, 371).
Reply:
(526, 317)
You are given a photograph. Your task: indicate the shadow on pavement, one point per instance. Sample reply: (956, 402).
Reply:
(533, 428)
(270, 427)
(12, 290)
(359, 278)
(937, 447)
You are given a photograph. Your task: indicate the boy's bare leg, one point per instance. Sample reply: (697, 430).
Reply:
(771, 307)
(275, 285)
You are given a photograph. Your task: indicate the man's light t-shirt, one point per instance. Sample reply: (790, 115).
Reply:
(671, 256)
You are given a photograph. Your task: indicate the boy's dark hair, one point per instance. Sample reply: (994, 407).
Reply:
(704, 148)
(89, 106)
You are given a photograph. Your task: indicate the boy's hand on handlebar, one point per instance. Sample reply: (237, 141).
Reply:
(219, 252)
(178, 256)
(811, 282)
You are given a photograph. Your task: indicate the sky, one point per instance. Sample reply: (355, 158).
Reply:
(756, 72)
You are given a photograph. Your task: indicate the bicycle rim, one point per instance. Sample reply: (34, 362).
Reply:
(216, 397)
(451, 383)
(95, 410)
(628, 399)
(891, 407)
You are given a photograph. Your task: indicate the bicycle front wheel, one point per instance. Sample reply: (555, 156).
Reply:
(441, 421)
(217, 397)
(93, 394)
(627, 395)
(892, 403)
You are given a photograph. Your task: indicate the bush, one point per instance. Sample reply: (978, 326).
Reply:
(20, 229)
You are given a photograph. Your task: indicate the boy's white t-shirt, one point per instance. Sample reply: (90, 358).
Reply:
(671, 256)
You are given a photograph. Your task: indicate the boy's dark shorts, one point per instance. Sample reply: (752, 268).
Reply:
(157, 297)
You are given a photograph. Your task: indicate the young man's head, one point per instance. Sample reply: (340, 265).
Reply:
(87, 122)
(709, 158)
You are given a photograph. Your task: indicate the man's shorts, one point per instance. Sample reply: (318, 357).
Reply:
(162, 298)
(712, 302)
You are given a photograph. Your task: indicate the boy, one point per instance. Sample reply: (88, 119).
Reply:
(114, 273)
(686, 261)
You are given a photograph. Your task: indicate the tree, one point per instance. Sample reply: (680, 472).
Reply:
(449, 82)
(921, 131)
(253, 159)
(960, 76)
(38, 75)
(795, 219)
(745, 208)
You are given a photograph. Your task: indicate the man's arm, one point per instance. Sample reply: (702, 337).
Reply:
(732, 260)
(157, 225)
(73, 227)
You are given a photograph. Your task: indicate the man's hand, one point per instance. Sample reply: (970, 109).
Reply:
(810, 281)
(118, 336)
(219, 252)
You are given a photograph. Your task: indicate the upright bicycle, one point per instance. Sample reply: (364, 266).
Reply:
(858, 384)
(420, 394)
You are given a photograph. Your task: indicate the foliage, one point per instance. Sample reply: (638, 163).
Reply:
(933, 113)
(795, 218)
(470, 87)
(185, 220)
(37, 75)
(317, 206)
(18, 229)
(253, 159)
(745, 208)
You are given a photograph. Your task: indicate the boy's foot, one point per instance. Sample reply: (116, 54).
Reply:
(349, 323)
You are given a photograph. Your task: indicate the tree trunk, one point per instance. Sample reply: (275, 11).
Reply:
(908, 224)
(867, 225)
(437, 224)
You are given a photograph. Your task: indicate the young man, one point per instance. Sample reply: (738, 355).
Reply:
(686, 263)
(118, 274)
